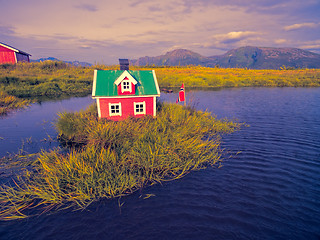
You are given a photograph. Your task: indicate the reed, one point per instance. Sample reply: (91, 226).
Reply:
(112, 159)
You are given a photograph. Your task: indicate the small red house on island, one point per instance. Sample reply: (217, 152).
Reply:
(10, 54)
(123, 93)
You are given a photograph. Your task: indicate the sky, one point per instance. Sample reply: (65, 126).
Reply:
(102, 31)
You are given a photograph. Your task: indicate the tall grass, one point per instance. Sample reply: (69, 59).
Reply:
(116, 158)
(8, 103)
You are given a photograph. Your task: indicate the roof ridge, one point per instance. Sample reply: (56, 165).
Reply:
(13, 48)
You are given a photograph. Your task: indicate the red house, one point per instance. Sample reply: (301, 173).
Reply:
(123, 93)
(10, 54)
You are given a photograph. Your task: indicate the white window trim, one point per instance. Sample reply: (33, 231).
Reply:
(123, 76)
(115, 114)
(144, 108)
(122, 86)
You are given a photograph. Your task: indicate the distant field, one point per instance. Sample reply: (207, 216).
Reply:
(236, 77)
(52, 80)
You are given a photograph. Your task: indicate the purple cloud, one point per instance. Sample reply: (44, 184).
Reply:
(87, 7)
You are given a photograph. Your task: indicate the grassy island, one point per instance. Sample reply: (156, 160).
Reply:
(111, 159)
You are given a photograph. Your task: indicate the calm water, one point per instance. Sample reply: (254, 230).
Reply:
(29, 129)
(270, 190)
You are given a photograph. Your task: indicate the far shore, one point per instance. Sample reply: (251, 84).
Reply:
(23, 83)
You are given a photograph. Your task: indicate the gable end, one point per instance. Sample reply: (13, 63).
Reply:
(124, 75)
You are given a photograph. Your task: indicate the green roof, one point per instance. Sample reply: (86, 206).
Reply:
(104, 86)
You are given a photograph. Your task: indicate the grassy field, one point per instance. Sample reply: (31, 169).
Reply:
(23, 83)
(112, 159)
(51, 80)
(203, 77)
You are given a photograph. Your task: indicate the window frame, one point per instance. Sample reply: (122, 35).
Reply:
(116, 113)
(135, 104)
(123, 89)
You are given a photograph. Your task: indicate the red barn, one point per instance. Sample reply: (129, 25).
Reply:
(123, 93)
(10, 54)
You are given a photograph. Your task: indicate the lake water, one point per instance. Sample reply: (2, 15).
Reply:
(270, 190)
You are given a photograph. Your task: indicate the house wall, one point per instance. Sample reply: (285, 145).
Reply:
(127, 107)
(22, 57)
(7, 55)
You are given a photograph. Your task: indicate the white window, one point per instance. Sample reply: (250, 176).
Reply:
(115, 109)
(139, 108)
(125, 86)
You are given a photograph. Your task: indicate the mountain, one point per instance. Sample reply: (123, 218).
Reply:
(268, 58)
(75, 63)
(179, 57)
(243, 57)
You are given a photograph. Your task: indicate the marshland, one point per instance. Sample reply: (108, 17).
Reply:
(270, 185)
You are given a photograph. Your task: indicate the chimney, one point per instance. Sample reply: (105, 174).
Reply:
(124, 64)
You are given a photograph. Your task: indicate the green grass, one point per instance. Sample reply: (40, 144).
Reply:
(112, 159)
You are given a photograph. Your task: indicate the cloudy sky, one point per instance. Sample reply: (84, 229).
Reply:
(101, 31)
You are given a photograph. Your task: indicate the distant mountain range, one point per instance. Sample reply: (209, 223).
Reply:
(75, 63)
(243, 57)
